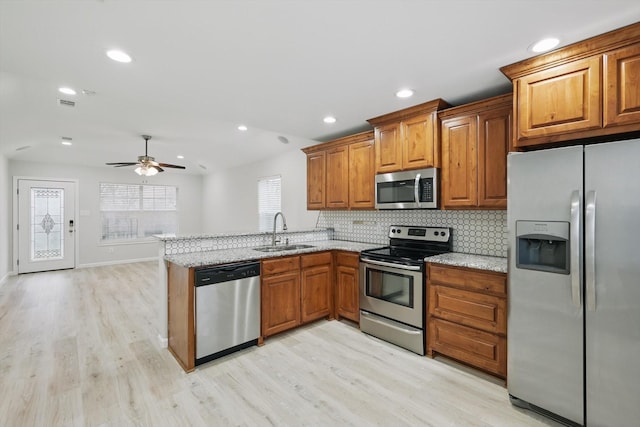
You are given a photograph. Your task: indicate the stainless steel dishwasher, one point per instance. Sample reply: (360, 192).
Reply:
(227, 309)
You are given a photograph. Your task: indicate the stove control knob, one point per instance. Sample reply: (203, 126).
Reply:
(435, 233)
(442, 233)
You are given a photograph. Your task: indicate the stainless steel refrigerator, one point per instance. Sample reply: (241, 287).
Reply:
(574, 282)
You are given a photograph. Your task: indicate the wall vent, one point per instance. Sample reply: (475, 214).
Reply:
(66, 103)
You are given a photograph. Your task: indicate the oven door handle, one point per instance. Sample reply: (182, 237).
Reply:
(392, 265)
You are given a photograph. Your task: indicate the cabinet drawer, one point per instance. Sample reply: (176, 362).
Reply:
(473, 280)
(311, 260)
(280, 265)
(348, 259)
(480, 349)
(486, 312)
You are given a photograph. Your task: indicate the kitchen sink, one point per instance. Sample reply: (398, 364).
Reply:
(271, 248)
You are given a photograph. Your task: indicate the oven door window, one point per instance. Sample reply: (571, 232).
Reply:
(395, 288)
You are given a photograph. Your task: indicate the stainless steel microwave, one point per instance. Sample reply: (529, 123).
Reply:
(415, 189)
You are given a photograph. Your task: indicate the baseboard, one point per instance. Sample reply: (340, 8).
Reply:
(4, 279)
(164, 342)
(123, 261)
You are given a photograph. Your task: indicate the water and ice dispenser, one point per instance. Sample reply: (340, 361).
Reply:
(543, 246)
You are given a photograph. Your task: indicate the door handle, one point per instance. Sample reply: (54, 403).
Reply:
(575, 259)
(590, 249)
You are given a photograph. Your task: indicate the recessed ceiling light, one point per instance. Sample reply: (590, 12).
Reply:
(180, 156)
(544, 45)
(242, 128)
(329, 119)
(404, 93)
(66, 90)
(66, 140)
(118, 55)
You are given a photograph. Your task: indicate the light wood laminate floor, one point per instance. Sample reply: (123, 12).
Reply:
(79, 348)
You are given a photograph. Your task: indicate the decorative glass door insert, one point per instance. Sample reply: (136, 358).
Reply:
(47, 214)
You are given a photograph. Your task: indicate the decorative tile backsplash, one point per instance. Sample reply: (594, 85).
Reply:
(474, 232)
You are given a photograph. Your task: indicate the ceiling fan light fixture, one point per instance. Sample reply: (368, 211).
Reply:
(146, 170)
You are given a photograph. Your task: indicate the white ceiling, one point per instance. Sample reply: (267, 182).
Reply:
(201, 68)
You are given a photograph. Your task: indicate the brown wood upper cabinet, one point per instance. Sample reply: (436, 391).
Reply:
(340, 173)
(408, 139)
(476, 139)
(587, 89)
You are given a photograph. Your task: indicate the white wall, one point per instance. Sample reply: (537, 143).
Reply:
(91, 252)
(5, 218)
(230, 197)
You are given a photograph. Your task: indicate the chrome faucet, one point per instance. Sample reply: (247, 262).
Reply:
(284, 227)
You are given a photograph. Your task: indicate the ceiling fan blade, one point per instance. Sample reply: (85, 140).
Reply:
(158, 168)
(168, 165)
(120, 164)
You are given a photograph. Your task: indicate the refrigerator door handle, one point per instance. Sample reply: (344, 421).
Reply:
(574, 236)
(590, 249)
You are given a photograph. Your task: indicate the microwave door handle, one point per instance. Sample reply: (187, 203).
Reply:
(416, 190)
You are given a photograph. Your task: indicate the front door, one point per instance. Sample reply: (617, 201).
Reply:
(46, 212)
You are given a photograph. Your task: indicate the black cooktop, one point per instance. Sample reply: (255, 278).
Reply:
(411, 244)
(395, 252)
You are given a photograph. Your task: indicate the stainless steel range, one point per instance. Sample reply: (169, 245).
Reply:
(392, 284)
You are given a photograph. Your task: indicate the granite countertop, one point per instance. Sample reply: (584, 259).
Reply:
(224, 256)
(482, 262)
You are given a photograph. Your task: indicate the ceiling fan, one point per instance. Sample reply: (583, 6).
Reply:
(147, 165)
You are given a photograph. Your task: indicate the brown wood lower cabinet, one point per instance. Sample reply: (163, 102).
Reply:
(180, 319)
(467, 316)
(295, 290)
(280, 298)
(316, 286)
(347, 286)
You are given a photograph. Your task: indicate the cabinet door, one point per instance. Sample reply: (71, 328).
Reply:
(337, 178)
(347, 293)
(316, 170)
(622, 86)
(560, 100)
(459, 162)
(316, 288)
(388, 148)
(494, 140)
(361, 175)
(280, 302)
(418, 143)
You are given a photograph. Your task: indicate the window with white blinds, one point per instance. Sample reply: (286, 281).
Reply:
(135, 211)
(269, 191)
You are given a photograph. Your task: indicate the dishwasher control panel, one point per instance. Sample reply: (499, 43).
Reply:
(226, 273)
